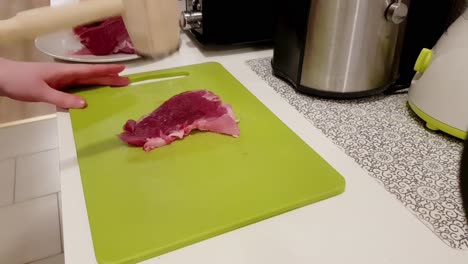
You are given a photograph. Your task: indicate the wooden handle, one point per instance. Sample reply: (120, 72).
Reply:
(35, 22)
(153, 26)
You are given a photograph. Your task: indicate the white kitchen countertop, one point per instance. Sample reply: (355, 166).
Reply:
(363, 225)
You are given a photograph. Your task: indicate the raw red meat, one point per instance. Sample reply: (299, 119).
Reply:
(105, 37)
(178, 116)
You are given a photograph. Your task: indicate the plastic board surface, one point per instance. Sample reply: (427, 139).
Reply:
(144, 204)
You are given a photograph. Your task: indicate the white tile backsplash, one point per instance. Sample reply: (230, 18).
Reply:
(7, 182)
(59, 202)
(29, 230)
(37, 175)
(28, 138)
(59, 259)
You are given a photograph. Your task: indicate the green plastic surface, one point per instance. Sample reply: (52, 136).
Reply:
(423, 61)
(434, 124)
(141, 205)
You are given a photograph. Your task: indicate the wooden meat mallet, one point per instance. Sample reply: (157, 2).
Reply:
(153, 25)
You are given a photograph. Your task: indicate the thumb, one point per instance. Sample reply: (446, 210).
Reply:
(63, 100)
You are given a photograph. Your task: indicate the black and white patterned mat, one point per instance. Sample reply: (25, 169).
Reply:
(417, 166)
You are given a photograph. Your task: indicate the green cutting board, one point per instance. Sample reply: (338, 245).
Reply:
(141, 205)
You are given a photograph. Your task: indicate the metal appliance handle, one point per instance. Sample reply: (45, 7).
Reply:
(397, 12)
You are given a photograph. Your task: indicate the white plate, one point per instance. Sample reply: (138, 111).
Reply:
(61, 45)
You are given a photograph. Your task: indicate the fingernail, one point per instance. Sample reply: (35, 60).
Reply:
(82, 103)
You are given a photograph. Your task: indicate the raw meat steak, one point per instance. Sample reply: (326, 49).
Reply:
(104, 38)
(178, 116)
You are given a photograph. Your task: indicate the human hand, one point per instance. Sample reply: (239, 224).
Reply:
(43, 82)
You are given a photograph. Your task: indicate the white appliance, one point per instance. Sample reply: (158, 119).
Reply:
(439, 91)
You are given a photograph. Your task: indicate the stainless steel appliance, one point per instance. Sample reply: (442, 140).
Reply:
(224, 22)
(354, 48)
(342, 48)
